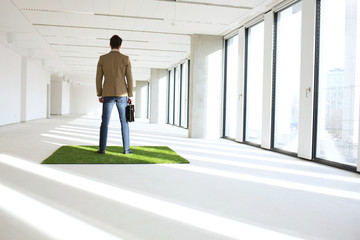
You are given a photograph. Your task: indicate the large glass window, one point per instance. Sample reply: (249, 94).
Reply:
(184, 94)
(338, 82)
(177, 97)
(287, 78)
(171, 97)
(231, 79)
(178, 94)
(254, 82)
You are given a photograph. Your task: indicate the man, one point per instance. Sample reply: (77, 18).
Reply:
(115, 67)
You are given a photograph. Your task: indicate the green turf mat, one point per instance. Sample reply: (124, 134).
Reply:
(114, 155)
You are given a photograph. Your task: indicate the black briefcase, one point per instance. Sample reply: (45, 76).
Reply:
(130, 113)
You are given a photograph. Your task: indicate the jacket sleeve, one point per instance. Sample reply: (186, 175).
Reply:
(99, 77)
(129, 78)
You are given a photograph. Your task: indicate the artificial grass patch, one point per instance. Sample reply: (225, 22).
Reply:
(114, 155)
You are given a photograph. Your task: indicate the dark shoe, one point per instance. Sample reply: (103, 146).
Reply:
(127, 151)
(101, 151)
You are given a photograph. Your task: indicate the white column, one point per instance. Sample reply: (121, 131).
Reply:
(205, 101)
(141, 99)
(56, 94)
(307, 79)
(158, 95)
(358, 160)
(48, 99)
(241, 81)
(65, 106)
(23, 89)
(60, 95)
(357, 76)
(267, 84)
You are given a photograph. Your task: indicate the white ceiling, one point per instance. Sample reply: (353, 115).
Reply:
(68, 36)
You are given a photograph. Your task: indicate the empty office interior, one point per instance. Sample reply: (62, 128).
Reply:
(283, 76)
(273, 77)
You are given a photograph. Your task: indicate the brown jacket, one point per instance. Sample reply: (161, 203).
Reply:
(114, 66)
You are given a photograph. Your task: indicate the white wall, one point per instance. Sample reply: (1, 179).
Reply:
(83, 100)
(23, 92)
(10, 82)
(36, 91)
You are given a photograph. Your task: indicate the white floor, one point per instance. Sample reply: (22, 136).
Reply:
(228, 191)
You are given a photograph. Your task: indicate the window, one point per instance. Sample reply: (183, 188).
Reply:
(231, 78)
(337, 126)
(287, 78)
(148, 101)
(254, 82)
(184, 94)
(171, 97)
(178, 94)
(177, 97)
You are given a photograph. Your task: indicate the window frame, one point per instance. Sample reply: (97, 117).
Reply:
(254, 23)
(225, 83)
(316, 98)
(178, 67)
(283, 7)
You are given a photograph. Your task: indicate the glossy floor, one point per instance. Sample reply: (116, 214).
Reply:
(228, 191)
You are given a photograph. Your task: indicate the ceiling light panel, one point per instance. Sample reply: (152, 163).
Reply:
(245, 4)
(39, 4)
(132, 44)
(93, 32)
(121, 17)
(89, 47)
(81, 20)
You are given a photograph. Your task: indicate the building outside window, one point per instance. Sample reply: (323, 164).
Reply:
(337, 129)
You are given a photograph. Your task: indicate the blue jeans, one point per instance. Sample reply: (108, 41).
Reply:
(108, 104)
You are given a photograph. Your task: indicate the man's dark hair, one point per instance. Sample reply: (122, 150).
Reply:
(115, 41)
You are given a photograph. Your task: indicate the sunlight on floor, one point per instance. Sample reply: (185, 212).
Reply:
(209, 222)
(270, 181)
(171, 139)
(70, 138)
(271, 168)
(48, 220)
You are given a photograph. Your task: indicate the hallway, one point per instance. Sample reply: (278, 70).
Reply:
(228, 191)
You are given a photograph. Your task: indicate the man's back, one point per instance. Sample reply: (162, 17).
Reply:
(114, 66)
